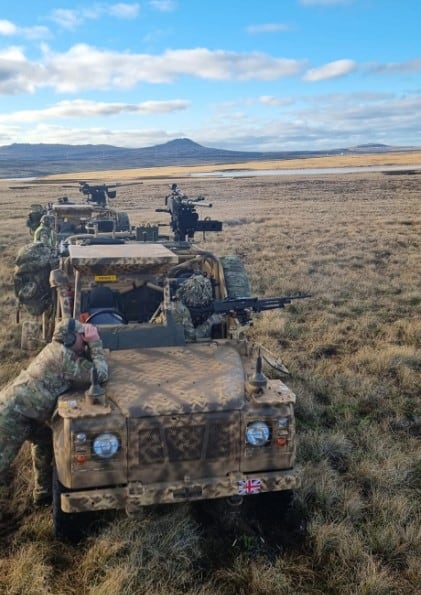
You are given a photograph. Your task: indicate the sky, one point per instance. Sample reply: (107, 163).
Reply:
(250, 75)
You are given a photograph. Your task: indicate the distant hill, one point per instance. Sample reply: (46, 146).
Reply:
(38, 160)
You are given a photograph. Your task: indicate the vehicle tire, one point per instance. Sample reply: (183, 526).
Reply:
(282, 523)
(236, 278)
(123, 221)
(71, 527)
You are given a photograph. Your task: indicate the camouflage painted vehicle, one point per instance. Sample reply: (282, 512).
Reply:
(70, 218)
(75, 219)
(178, 420)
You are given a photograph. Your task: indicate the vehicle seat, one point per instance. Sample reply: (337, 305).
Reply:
(101, 297)
(103, 306)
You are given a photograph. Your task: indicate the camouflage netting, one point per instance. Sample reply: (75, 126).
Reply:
(31, 278)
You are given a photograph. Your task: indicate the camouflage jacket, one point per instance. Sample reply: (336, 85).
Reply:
(57, 368)
(181, 315)
(45, 235)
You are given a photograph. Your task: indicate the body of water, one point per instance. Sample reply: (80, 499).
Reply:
(243, 173)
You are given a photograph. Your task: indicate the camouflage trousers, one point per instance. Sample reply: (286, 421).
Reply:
(15, 429)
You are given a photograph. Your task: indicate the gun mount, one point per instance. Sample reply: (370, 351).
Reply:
(98, 193)
(184, 217)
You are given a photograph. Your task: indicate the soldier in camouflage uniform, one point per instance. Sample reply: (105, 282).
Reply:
(195, 291)
(44, 233)
(27, 403)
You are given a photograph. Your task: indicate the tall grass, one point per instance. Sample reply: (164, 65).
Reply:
(354, 353)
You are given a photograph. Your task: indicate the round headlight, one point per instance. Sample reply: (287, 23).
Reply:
(283, 422)
(257, 433)
(80, 437)
(105, 445)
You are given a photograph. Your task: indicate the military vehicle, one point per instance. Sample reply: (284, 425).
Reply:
(93, 216)
(179, 420)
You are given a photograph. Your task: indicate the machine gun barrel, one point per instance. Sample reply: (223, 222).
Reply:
(255, 304)
(194, 203)
(243, 306)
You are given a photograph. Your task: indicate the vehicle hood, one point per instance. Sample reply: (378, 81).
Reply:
(176, 380)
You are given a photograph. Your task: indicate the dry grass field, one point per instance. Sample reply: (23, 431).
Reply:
(373, 159)
(354, 353)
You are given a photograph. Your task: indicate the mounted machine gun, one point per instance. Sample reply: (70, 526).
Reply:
(184, 217)
(98, 193)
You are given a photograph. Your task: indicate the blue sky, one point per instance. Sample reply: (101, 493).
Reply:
(236, 74)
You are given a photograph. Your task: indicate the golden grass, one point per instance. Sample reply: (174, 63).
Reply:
(354, 352)
(402, 158)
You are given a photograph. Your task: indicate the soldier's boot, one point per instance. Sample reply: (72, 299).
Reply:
(41, 465)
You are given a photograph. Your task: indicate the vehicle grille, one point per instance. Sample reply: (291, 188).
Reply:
(184, 438)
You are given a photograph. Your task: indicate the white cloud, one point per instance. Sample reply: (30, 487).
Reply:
(163, 5)
(396, 67)
(81, 108)
(17, 75)
(223, 65)
(267, 28)
(66, 18)
(330, 70)
(84, 67)
(274, 101)
(72, 18)
(8, 29)
(124, 11)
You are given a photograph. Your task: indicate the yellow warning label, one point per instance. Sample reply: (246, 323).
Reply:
(105, 278)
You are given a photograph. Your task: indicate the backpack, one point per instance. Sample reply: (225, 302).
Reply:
(31, 278)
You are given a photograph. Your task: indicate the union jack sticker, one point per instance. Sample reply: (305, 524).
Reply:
(249, 486)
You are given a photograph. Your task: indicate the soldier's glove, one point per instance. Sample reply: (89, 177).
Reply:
(90, 333)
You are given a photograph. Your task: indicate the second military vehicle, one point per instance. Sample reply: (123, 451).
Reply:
(94, 215)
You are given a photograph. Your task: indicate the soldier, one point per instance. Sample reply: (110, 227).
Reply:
(27, 403)
(196, 291)
(44, 232)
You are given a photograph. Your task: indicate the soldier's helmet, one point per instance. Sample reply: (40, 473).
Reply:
(195, 291)
(65, 331)
(45, 220)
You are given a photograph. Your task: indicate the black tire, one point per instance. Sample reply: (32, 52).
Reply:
(71, 527)
(123, 221)
(282, 523)
(236, 279)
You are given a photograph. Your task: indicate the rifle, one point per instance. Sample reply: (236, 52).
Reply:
(243, 306)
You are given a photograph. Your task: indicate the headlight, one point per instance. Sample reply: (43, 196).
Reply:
(80, 437)
(257, 433)
(105, 445)
(283, 422)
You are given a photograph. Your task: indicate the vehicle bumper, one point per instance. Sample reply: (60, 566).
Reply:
(136, 494)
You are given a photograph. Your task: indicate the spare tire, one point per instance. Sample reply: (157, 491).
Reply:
(236, 279)
(123, 221)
